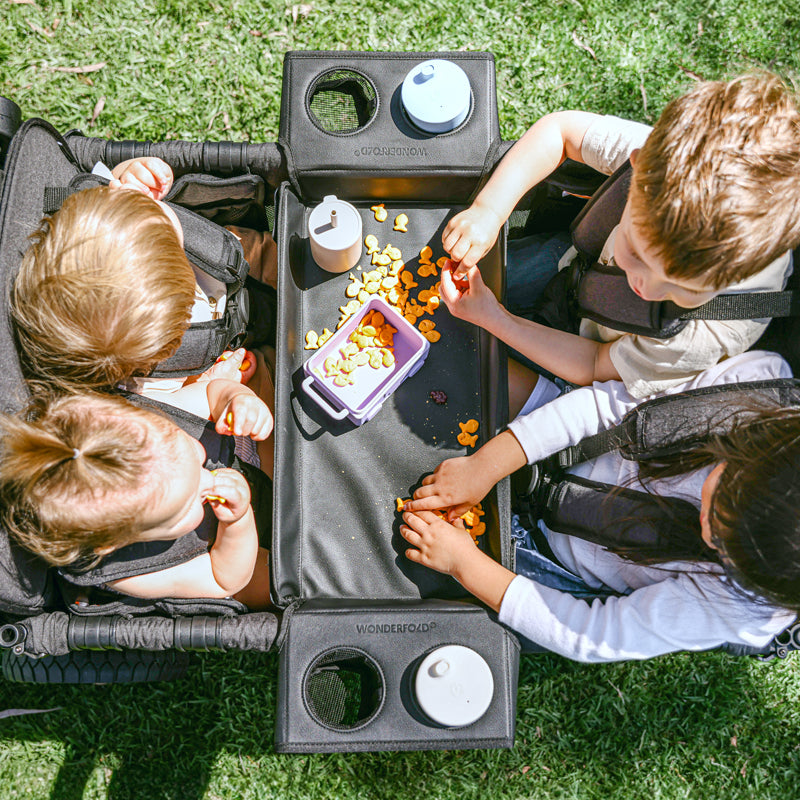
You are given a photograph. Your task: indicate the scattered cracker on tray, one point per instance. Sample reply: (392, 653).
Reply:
(393, 280)
(466, 436)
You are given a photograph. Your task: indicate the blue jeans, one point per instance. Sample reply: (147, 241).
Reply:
(531, 262)
(530, 563)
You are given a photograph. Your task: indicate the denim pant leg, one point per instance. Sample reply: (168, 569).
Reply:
(531, 262)
(530, 563)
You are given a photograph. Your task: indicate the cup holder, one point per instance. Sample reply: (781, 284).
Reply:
(342, 101)
(344, 689)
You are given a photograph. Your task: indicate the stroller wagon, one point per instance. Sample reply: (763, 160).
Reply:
(363, 634)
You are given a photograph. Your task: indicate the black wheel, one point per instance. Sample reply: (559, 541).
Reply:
(88, 666)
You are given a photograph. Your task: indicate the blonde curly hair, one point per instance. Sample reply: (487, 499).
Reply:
(103, 293)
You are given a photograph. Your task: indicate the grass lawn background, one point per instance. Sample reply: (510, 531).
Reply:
(704, 726)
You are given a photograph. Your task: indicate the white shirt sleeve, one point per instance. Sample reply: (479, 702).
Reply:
(582, 412)
(609, 142)
(682, 612)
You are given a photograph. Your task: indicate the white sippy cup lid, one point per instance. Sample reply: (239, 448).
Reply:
(334, 224)
(436, 95)
(454, 685)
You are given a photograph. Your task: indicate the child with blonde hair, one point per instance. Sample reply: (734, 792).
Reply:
(712, 208)
(105, 292)
(89, 476)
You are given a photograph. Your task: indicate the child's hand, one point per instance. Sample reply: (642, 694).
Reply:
(150, 176)
(437, 544)
(233, 365)
(474, 301)
(469, 235)
(230, 495)
(246, 415)
(456, 484)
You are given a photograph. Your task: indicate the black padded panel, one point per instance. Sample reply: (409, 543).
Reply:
(395, 637)
(37, 158)
(388, 155)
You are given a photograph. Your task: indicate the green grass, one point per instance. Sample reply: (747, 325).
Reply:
(700, 726)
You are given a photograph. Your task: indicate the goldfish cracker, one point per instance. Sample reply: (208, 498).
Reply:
(470, 426)
(467, 440)
(400, 223)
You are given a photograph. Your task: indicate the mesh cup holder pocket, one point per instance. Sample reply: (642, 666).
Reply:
(342, 101)
(344, 689)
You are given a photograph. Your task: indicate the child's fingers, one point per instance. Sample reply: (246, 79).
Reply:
(419, 520)
(461, 248)
(455, 512)
(231, 493)
(475, 279)
(431, 502)
(450, 293)
(410, 535)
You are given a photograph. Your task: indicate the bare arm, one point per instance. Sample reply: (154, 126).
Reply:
(233, 406)
(227, 567)
(573, 358)
(470, 234)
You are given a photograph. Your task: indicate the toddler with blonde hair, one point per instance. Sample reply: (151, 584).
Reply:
(86, 476)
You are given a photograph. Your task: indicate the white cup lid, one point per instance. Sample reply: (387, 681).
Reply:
(436, 95)
(454, 685)
(334, 224)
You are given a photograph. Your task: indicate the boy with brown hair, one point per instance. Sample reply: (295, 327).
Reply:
(714, 206)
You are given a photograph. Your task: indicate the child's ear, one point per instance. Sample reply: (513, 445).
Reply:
(633, 155)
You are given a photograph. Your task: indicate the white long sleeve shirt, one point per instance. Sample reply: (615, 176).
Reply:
(664, 607)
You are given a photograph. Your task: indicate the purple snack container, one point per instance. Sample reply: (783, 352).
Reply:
(361, 400)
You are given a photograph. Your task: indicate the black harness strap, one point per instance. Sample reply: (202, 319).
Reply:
(675, 423)
(750, 305)
(600, 292)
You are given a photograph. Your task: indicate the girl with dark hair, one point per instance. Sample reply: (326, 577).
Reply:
(730, 574)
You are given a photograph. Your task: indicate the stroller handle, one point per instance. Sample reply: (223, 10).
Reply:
(220, 158)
